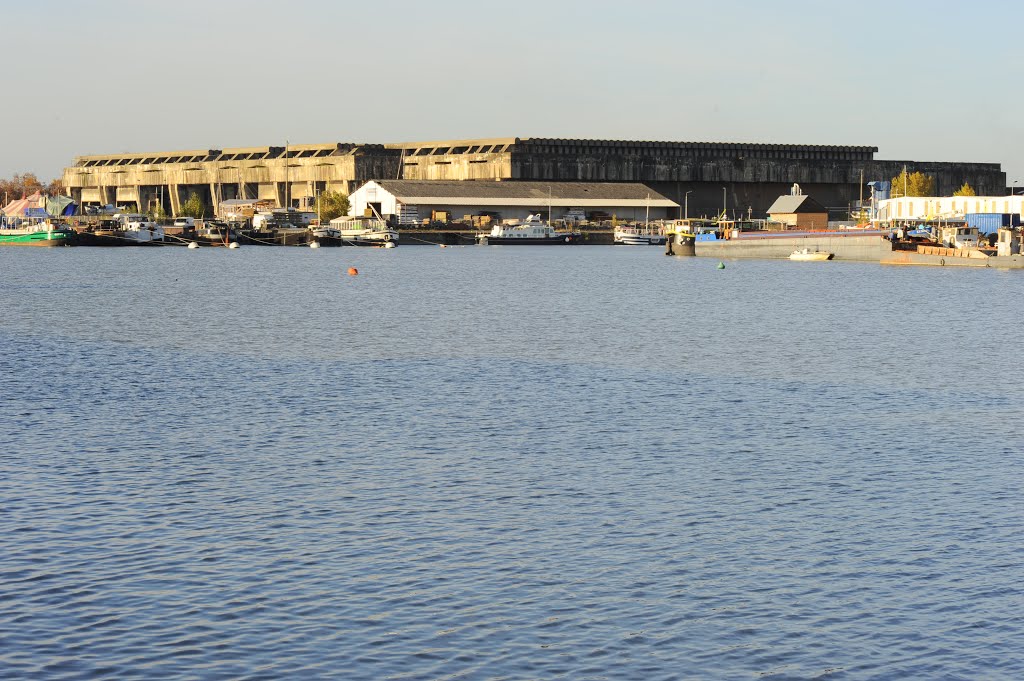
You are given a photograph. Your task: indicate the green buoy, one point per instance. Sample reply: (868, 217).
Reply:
(721, 265)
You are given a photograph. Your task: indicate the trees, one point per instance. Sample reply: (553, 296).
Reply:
(965, 190)
(913, 184)
(193, 208)
(332, 205)
(20, 186)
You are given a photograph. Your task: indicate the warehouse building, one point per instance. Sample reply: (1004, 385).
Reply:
(739, 178)
(413, 202)
(798, 211)
(928, 208)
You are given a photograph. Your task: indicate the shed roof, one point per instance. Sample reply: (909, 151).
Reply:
(525, 193)
(796, 204)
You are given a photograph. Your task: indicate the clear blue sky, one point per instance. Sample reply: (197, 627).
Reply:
(921, 80)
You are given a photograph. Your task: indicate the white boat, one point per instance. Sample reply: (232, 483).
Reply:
(806, 254)
(639, 236)
(532, 231)
(138, 227)
(355, 231)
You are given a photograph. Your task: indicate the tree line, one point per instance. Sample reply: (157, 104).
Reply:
(26, 184)
(919, 184)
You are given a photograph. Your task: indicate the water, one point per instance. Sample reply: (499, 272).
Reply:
(506, 463)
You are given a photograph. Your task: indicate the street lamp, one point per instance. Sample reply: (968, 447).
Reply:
(1013, 192)
(686, 205)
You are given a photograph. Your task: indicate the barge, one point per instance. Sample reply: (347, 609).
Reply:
(33, 232)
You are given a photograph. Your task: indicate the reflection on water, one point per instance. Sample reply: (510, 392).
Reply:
(505, 462)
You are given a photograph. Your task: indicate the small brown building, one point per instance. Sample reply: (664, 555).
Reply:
(799, 212)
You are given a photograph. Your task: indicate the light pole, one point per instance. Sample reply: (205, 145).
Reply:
(725, 202)
(1013, 187)
(686, 205)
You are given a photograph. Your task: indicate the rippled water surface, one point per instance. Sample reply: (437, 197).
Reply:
(506, 463)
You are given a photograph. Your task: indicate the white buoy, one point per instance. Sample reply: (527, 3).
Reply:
(389, 244)
(314, 244)
(193, 244)
(233, 244)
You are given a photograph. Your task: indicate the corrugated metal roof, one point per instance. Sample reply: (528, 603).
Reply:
(796, 204)
(583, 193)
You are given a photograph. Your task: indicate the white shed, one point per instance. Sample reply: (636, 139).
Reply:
(412, 201)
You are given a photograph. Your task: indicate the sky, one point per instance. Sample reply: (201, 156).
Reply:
(922, 81)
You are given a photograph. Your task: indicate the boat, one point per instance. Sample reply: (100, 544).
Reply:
(753, 240)
(532, 231)
(806, 254)
(137, 227)
(637, 235)
(215, 233)
(16, 231)
(641, 235)
(356, 231)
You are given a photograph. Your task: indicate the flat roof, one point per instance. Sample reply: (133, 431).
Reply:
(527, 193)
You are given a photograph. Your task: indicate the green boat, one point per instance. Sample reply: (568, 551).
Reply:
(22, 233)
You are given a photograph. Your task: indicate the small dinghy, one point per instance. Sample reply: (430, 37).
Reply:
(807, 255)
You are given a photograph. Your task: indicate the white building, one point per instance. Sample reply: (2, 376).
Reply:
(413, 201)
(946, 207)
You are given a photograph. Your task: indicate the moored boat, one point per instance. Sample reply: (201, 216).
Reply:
(532, 231)
(356, 231)
(807, 255)
(637, 235)
(34, 232)
(215, 233)
(138, 228)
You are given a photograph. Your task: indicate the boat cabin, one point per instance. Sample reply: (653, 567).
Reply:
(132, 220)
(960, 236)
(1006, 244)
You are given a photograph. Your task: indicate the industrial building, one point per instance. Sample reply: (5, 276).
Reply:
(704, 178)
(798, 212)
(930, 208)
(413, 202)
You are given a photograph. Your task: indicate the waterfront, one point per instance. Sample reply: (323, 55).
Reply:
(506, 462)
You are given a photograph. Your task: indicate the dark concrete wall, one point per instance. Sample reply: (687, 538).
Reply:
(750, 182)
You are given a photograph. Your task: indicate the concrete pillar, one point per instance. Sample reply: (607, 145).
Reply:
(215, 198)
(174, 194)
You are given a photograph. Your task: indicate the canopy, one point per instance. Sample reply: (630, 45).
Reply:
(37, 205)
(60, 205)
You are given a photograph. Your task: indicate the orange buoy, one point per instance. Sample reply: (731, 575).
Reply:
(353, 271)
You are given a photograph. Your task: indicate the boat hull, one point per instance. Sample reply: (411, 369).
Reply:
(104, 238)
(639, 237)
(560, 240)
(953, 257)
(43, 239)
(865, 247)
(681, 244)
(362, 241)
(640, 241)
(810, 257)
(339, 237)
